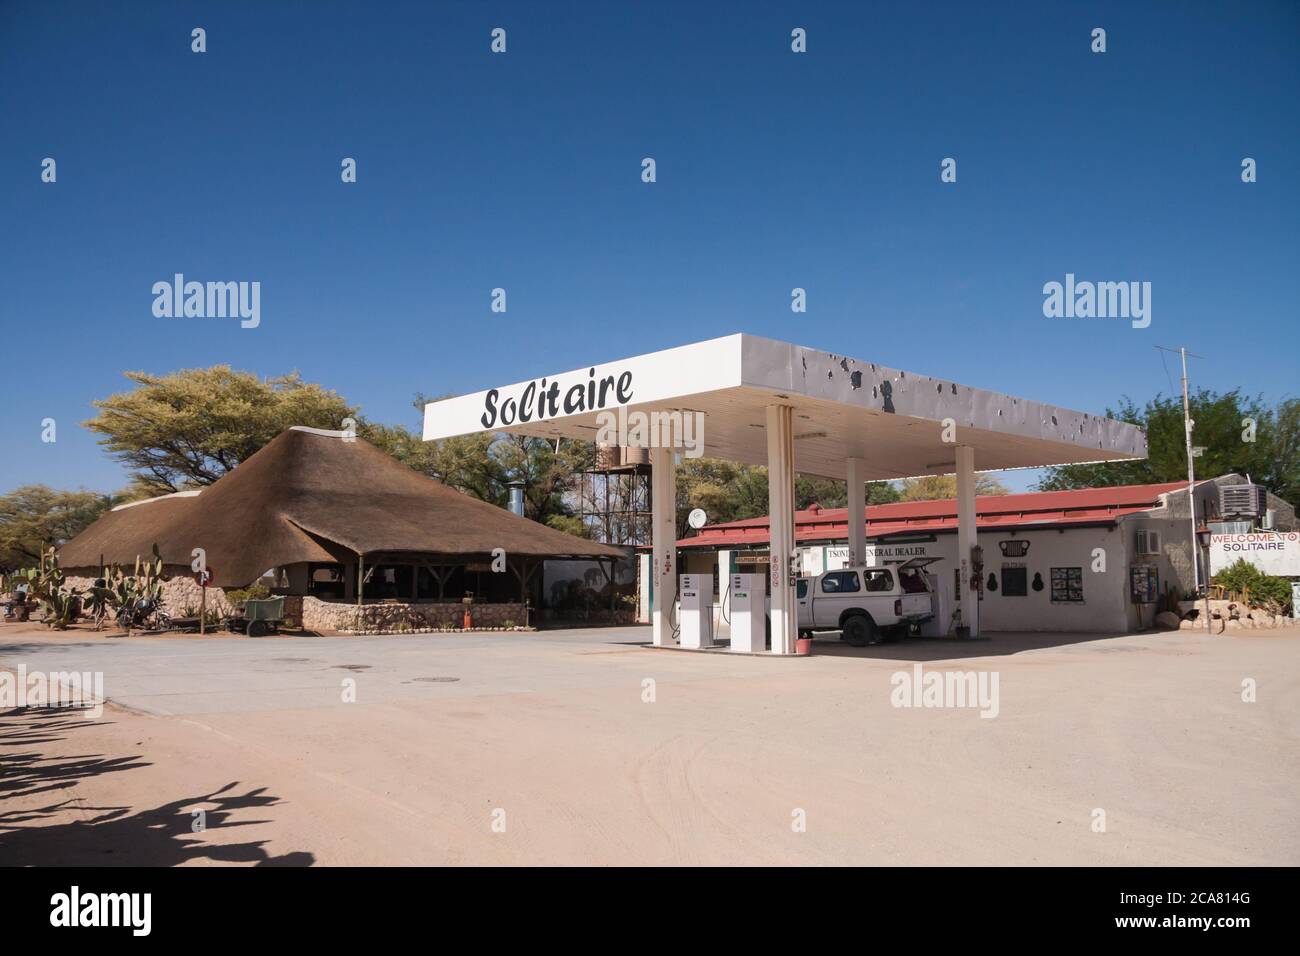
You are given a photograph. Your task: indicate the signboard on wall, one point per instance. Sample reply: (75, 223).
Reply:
(837, 556)
(884, 553)
(1143, 584)
(1273, 552)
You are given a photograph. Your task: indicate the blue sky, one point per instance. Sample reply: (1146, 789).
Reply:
(522, 171)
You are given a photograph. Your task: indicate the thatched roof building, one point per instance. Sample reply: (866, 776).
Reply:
(311, 497)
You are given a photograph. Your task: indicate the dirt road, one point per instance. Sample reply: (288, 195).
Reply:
(585, 748)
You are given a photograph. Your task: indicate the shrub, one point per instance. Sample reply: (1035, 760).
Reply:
(237, 596)
(1256, 588)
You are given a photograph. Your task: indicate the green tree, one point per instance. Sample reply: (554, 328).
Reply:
(569, 524)
(1222, 428)
(190, 427)
(484, 464)
(726, 490)
(830, 493)
(730, 491)
(35, 517)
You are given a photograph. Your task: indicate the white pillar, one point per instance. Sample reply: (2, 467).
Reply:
(722, 628)
(663, 504)
(966, 537)
(645, 566)
(857, 505)
(780, 509)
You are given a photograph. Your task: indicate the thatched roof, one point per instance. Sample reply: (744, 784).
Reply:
(313, 496)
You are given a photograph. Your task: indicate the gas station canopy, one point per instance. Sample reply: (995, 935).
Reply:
(792, 409)
(843, 408)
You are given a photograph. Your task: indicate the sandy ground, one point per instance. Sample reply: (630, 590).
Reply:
(545, 750)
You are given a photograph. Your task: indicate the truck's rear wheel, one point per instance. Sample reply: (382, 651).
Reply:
(859, 631)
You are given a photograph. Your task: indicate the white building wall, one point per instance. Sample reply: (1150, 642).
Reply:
(1105, 607)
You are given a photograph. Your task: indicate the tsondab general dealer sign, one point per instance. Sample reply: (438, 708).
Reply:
(1273, 552)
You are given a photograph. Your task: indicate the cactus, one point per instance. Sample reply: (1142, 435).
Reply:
(151, 582)
(45, 585)
(122, 590)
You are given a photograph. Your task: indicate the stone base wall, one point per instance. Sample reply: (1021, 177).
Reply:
(1230, 616)
(179, 593)
(394, 618)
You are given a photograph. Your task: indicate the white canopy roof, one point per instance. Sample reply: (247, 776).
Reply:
(843, 408)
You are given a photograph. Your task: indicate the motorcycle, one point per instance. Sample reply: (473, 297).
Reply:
(146, 614)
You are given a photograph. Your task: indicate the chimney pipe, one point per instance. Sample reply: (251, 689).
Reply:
(517, 497)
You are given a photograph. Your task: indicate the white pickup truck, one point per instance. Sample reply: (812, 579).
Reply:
(866, 605)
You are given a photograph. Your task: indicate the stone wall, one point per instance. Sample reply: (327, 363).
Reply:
(1229, 616)
(180, 593)
(396, 618)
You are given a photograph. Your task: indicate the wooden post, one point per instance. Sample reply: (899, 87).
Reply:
(613, 590)
(361, 576)
(203, 605)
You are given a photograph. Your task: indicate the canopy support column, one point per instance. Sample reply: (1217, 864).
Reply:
(857, 505)
(967, 539)
(722, 628)
(663, 506)
(780, 504)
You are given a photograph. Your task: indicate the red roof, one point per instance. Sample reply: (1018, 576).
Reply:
(1042, 509)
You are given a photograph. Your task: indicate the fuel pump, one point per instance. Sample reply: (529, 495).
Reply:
(748, 614)
(697, 610)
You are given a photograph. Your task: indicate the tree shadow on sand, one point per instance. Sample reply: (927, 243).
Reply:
(112, 836)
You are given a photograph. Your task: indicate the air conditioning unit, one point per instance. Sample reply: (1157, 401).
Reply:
(1236, 500)
(1269, 521)
(1148, 542)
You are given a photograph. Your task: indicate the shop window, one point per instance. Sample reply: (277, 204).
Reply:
(841, 582)
(1015, 582)
(1067, 585)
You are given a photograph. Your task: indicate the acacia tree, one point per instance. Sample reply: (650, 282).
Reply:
(36, 517)
(190, 427)
(934, 487)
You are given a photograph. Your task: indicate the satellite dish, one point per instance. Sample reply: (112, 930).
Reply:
(697, 519)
